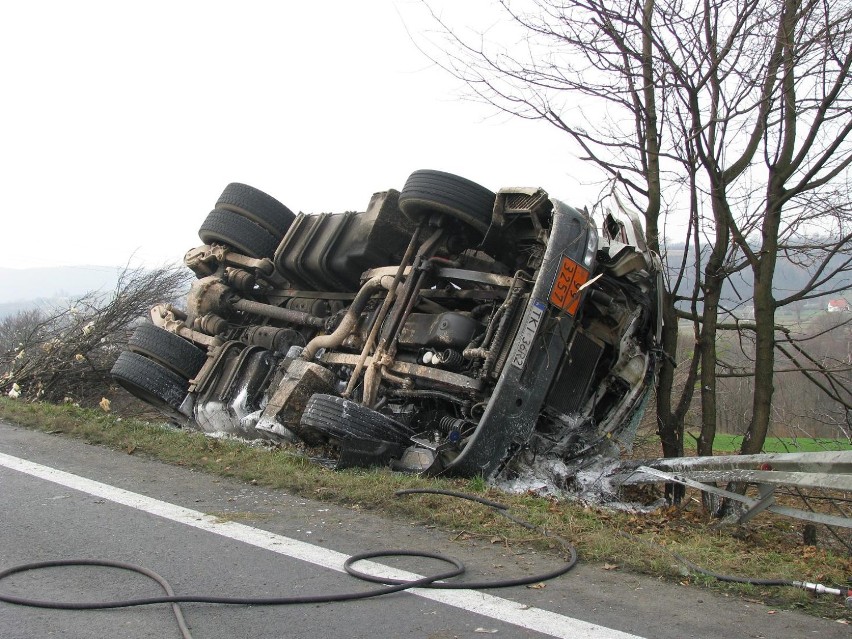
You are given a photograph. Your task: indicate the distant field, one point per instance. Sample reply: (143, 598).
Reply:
(732, 443)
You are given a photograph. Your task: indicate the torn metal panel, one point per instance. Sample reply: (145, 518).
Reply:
(827, 470)
(830, 480)
(836, 461)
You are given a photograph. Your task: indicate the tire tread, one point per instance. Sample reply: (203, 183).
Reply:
(234, 230)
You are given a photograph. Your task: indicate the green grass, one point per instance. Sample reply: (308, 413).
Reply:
(768, 547)
(732, 443)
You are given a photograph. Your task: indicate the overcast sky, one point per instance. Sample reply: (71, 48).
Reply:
(123, 121)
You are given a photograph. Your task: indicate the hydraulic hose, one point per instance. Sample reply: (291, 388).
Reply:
(57, 605)
(754, 581)
(391, 586)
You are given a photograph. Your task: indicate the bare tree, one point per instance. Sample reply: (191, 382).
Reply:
(67, 351)
(767, 89)
(590, 68)
(735, 111)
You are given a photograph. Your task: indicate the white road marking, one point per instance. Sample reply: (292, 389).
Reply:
(543, 621)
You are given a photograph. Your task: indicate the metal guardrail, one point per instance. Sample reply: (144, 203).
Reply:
(830, 470)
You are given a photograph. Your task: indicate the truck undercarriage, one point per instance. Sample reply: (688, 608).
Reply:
(446, 329)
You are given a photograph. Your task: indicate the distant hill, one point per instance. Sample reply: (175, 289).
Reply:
(737, 291)
(60, 281)
(22, 289)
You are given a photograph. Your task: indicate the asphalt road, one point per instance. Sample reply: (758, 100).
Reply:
(63, 499)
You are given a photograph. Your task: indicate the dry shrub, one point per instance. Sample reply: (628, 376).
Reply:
(63, 353)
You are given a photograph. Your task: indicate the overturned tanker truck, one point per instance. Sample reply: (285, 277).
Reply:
(447, 329)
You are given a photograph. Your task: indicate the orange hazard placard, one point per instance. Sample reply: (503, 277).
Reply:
(565, 293)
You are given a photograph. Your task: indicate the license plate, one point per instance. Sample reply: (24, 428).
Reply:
(527, 334)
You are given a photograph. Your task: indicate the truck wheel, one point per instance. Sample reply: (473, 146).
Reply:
(168, 349)
(257, 206)
(428, 191)
(329, 416)
(243, 235)
(149, 381)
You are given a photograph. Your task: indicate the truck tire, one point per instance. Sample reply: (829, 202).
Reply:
(262, 209)
(329, 416)
(149, 381)
(428, 191)
(168, 349)
(241, 234)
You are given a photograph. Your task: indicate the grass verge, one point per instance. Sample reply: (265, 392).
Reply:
(732, 443)
(770, 547)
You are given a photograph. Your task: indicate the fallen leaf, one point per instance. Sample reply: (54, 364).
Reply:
(610, 567)
(496, 540)
(130, 449)
(538, 586)
(771, 612)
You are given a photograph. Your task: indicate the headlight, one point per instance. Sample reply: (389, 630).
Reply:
(591, 247)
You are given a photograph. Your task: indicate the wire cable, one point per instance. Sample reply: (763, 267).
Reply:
(22, 601)
(754, 581)
(475, 585)
(391, 585)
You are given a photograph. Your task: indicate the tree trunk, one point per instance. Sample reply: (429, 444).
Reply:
(764, 358)
(764, 320)
(707, 345)
(669, 423)
(714, 278)
(670, 429)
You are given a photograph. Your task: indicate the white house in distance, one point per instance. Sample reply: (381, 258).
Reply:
(840, 305)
